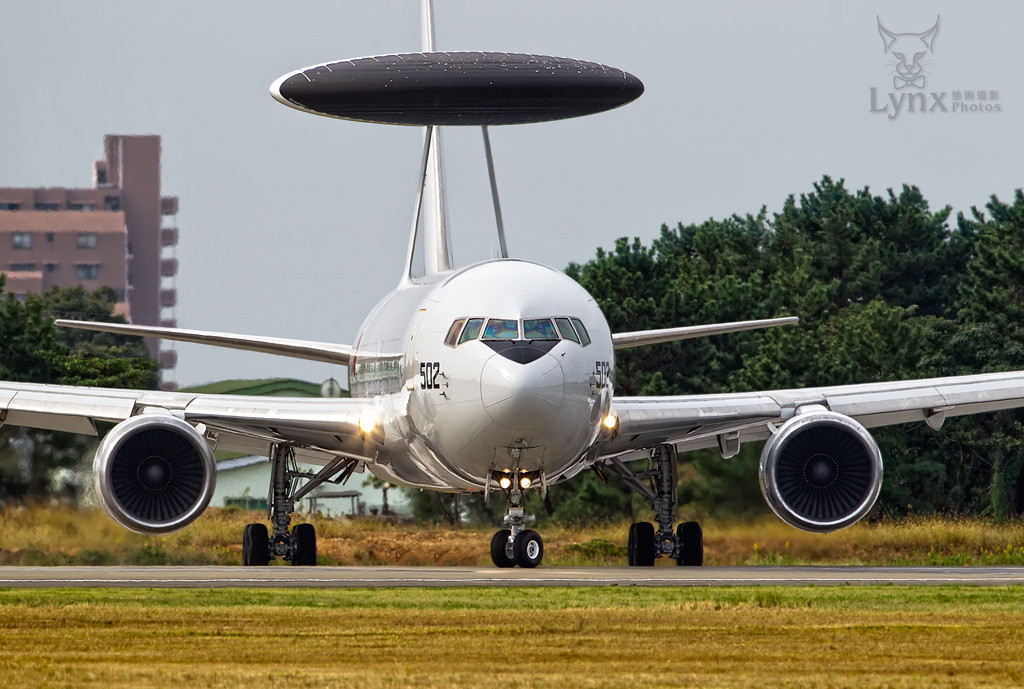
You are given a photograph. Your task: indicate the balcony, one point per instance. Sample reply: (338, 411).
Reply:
(169, 323)
(168, 358)
(168, 205)
(169, 236)
(168, 267)
(168, 298)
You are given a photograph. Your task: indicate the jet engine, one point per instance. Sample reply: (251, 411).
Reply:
(821, 471)
(154, 473)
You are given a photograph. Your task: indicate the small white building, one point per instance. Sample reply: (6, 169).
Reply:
(245, 482)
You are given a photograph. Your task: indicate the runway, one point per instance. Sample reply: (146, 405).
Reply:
(399, 577)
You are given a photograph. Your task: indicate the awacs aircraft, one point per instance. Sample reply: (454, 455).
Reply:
(493, 378)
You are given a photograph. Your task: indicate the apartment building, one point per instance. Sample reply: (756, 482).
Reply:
(111, 234)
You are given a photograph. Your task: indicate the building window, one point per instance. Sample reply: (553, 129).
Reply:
(112, 203)
(87, 271)
(80, 206)
(47, 206)
(22, 267)
(49, 237)
(50, 267)
(87, 240)
(21, 240)
(5, 206)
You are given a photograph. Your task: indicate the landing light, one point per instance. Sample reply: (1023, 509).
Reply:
(610, 421)
(366, 422)
(525, 482)
(505, 482)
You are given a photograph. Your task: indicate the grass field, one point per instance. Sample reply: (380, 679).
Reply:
(612, 637)
(56, 535)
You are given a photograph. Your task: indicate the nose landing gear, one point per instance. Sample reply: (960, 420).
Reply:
(517, 545)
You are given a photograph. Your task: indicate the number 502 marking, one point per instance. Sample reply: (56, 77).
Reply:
(428, 375)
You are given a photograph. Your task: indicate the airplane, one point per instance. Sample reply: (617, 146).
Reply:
(494, 377)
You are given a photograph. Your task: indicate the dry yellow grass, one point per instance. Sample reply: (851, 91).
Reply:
(57, 535)
(738, 638)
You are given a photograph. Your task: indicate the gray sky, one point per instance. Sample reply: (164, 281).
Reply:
(294, 225)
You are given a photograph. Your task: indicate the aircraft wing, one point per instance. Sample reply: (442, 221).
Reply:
(319, 429)
(297, 349)
(692, 422)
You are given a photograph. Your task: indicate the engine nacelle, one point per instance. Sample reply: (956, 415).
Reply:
(821, 471)
(154, 473)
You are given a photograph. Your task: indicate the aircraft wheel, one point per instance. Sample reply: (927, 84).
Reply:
(255, 546)
(500, 554)
(304, 545)
(528, 549)
(691, 539)
(640, 552)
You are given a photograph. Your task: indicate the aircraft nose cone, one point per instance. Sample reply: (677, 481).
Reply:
(522, 397)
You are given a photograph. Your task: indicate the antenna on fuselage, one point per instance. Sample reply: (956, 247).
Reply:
(494, 192)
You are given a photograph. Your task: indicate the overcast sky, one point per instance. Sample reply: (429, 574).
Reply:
(295, 225)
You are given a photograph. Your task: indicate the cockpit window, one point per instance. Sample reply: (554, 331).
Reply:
(453, 333)
(539, 329)
(472, 330)
(501, 329)
(581, 331)
(565, 330)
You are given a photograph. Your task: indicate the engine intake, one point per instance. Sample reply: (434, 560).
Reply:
(821, 471)
(154, 473)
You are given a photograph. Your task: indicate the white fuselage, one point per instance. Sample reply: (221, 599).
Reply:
(515, 394)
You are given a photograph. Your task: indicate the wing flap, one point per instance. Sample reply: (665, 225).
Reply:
(56, 410)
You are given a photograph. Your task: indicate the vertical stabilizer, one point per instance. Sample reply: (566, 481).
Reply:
(433, 221)
(430, 221)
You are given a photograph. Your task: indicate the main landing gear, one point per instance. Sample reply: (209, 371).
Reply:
(298, 545)
(658, 483)
(516, 545)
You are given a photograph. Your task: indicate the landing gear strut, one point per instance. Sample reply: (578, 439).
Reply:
(297, 546)
(658, 483)
(516, 545)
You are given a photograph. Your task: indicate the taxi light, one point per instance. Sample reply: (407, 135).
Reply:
(505, 482)
(525, 482)
(366, 422)
(611, 421)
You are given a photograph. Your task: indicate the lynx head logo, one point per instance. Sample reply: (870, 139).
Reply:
(911, 53)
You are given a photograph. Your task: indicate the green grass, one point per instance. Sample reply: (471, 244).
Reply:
(843, 636)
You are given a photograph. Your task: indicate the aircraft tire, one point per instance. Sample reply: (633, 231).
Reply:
(640, 551)
(691, 540)
(499, 555)
(528, 548)
(304, 539)
(255, 546)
